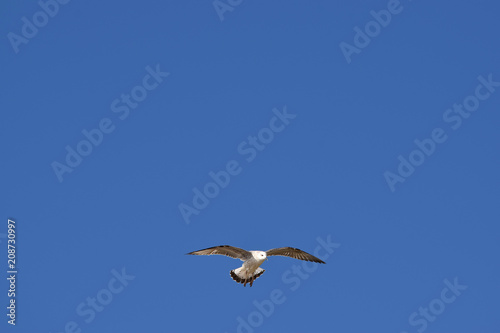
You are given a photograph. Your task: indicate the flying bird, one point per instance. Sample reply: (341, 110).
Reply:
(250, 269)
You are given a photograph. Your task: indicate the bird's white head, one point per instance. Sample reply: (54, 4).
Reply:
(259, 255)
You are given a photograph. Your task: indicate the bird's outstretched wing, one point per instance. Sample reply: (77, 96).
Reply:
(293, 253)
(225, 250)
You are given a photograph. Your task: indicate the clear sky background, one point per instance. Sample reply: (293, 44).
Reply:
(411, 250)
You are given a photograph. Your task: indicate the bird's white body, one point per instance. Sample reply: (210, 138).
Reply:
(250, 265)
(250, 269)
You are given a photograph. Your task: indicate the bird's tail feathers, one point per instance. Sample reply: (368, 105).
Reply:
(240, 275)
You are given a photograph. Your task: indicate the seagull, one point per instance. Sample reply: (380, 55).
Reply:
(250, 269)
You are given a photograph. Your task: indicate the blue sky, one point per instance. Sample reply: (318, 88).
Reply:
(363, 131)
